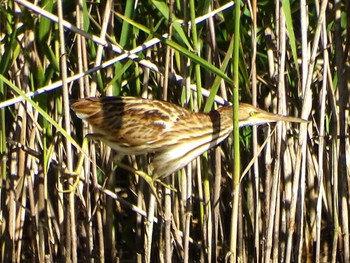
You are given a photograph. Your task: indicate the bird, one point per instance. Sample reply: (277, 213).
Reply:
(175, 135)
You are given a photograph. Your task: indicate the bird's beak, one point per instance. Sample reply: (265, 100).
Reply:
(249, 115)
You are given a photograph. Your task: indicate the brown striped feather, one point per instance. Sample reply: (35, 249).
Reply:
(176, 135)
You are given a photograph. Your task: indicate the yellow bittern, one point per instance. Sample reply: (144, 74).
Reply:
(134, 126)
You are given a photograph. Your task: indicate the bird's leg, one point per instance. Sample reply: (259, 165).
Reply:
(149, 180)
(151, 208)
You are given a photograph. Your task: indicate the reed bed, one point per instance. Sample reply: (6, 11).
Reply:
(64, 198)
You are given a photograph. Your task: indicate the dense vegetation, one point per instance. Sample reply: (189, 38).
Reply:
(63, 197)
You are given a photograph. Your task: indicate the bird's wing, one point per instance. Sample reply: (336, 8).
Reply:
(128, 122)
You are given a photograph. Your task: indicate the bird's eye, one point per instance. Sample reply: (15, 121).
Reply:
(252, 113)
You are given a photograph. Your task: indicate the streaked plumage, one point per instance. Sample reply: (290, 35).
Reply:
(134, 126)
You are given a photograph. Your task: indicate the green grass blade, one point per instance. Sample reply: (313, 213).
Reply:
(41, 111)
(204, 63)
